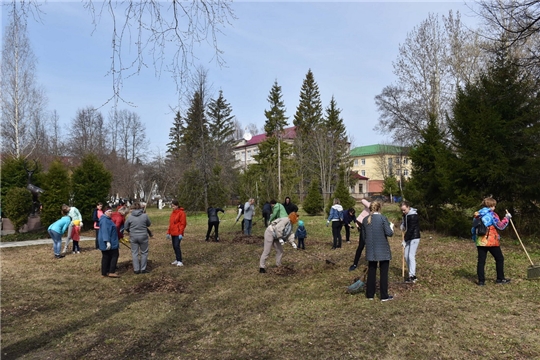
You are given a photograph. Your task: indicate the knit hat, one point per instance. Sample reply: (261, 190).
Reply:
(300, 223)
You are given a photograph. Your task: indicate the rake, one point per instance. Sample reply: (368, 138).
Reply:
(533, 271)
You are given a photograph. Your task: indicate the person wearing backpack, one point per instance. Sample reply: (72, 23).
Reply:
(410, 225)
(336, 218)
(488, 239)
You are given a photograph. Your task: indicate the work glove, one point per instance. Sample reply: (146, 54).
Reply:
(81, 224)
(327, 223)
(281, 241)
(108, 246)
(402, 227)
(168, 236)
(508, 216)
(403, 243)
(180, 237)
(293, 245)
(392, 226)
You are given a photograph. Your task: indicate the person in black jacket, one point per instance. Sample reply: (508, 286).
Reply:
(213, 221)
(349, 217)
(266, 213)
(289, 206)
(411, 239)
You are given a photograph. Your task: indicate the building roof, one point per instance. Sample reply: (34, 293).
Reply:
(288, 133)
(378, 149)
(357, 176)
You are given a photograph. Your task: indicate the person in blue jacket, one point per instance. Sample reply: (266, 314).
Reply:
(57, 228)
(301, 235)
(108, 244)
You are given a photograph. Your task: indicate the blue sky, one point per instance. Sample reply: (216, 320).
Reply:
(349, 47)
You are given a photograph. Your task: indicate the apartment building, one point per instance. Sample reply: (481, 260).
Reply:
(373, 163)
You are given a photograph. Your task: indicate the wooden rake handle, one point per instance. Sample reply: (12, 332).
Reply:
(521, 242)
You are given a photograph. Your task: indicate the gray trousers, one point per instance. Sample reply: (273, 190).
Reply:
(139, 245)
(68, 239)
(268, 242)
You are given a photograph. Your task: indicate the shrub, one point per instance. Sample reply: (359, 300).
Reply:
(17, 206)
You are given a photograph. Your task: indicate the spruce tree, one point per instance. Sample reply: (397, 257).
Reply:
(174, 147)
(91, 183)
(56, 186)
(17, 206)
(309, 114)
(313, 203)
(343, 194)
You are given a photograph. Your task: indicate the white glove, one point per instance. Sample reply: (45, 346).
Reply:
(168, 236)
(81, 224)
(293, 245)
(392, 226)
(403, 243)
(402, 227)
(281, 241)
(327, 223)
(108, 246)
(180, 237)
(508, 216)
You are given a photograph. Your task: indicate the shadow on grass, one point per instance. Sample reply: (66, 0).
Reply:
(466, 274)
(29, 345)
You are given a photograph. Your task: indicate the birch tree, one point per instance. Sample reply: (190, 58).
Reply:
(21, 100)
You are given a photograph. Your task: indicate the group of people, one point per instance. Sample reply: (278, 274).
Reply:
(374, 229)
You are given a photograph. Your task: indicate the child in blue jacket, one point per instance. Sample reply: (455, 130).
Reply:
(301, 234)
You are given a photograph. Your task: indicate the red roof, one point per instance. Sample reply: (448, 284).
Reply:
(357, 176)
(288, 133)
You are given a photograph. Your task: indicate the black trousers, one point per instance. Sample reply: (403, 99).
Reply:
(372, 278)
(336, 234)
(215, 225)
(359, 249)
(499, 261)
(109, 260)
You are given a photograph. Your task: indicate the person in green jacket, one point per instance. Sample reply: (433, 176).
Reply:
(278, 211)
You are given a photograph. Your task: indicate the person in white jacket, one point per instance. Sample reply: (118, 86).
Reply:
(74, 214)
(336, 218)
(279, 231)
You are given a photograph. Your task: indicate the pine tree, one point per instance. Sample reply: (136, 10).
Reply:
(342, 193)
(17, 206)
(313, 203)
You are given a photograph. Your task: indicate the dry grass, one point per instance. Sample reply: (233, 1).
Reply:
(219, 307)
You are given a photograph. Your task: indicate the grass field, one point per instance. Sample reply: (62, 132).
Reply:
(218, 306)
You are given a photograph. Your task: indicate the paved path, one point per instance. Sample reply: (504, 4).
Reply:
(38, 242)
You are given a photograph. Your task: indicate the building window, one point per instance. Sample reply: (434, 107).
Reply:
(363, 161)
(353, 188)
(355, 162)
(363, 172)
(405, 161)
(398, 171)
(360, 188)
(405, 172)
(249, 154)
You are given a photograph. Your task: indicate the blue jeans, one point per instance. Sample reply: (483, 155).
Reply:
(247, 226)
(176, 246)
(57, 241)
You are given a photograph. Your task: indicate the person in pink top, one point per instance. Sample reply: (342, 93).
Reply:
(362, 241)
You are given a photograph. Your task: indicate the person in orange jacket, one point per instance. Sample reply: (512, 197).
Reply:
(177, 224)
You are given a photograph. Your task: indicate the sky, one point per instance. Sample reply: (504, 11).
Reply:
(349, 46)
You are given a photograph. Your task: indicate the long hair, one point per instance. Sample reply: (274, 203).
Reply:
(374, 207)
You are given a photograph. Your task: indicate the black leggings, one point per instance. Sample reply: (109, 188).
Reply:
(359, 249)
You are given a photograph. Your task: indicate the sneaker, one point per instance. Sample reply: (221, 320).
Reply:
(503, 281)
(78, 252)
(59, 256)
(175, 262)
(408, 280)
(145, 271)
(481, 283)
(353, 267)
(370, 299)
(114, 275)
(74, 252)
(179, 263)
(262, 270)
(389, 298)
(137, 272)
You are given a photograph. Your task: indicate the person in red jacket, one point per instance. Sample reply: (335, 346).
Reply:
(177, 224)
